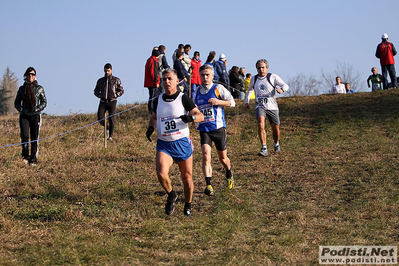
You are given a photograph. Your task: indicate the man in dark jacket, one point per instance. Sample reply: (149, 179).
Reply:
(221, 69)
(163, 63)
(182, 73)
(108, 89)
(385, 52)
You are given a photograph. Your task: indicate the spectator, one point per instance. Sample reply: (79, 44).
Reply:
(152, 79)
(30, 102)
(163, 63)
(182, 74)
(211, 61)
(338, 87)
(108, 89)
(248, 77)
(386, 52)
(221, 70)
(235, 82)
(376, 80)
(242, 72)
(348, 88)
(180, 48)
(186, 58)
(195, 76)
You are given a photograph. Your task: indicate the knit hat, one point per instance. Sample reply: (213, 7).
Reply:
(156, 53)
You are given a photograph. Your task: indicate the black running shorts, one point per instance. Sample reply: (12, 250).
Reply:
(218, 136)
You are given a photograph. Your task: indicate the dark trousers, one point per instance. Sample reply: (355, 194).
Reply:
(109, 106)
(152, 93)
(29, 125)
(392, 75)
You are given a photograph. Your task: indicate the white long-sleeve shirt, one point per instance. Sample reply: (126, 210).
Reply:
(265, 93)
(338, 89)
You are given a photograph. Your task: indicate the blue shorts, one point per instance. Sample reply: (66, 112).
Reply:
(180, 150)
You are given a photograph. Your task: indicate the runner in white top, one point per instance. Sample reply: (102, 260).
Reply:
(265, 86)
(172, 111)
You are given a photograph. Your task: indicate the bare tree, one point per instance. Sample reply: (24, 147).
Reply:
(347, 74)
(303, 85)
(8, 91)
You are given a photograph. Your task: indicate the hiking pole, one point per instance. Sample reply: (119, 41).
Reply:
(189, 84)
(105, 132)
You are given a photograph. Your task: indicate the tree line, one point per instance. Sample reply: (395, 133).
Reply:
(309, 85)
(8, 91)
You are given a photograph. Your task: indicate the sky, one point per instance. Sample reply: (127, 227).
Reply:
(68, 42)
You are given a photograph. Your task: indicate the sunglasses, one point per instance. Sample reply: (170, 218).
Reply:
(31, 74)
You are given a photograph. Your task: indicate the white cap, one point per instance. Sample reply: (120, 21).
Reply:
(222, 56)
(384, 36)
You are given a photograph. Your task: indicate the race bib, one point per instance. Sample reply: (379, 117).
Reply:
(207, 111)
(376, 86)
(170, 126)
(262, 101)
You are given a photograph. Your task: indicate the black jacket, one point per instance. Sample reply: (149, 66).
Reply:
(236, 82)
(115, 88)
(40, 97)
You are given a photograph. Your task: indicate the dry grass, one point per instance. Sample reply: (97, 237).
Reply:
(335, 183)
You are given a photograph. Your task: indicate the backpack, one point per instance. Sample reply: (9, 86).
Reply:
(161, 68)
(268, 79)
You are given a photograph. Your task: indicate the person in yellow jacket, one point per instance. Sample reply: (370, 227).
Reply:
(248, 77)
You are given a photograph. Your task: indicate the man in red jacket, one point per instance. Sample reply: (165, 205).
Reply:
(151, 78)
(385, 52)
(195, 76)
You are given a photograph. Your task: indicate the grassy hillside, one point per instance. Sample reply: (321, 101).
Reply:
(335, 183)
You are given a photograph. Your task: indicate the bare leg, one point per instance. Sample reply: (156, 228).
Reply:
(276, 133)
(261, 130)
(164, 162)
(224, 159)
(186, 170)
(206, 160)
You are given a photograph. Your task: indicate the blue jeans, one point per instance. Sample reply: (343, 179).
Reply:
(152, 93)
(194, 88)
(392, 75)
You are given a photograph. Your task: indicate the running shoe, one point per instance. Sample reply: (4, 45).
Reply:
(263, 152)
(277, 148)
(33, 162)
(209, 191)
(230, 182)
(26, 159)
(170, 205)
(187, 212)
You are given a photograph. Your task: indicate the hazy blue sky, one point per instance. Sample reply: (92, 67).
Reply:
(68, 42)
